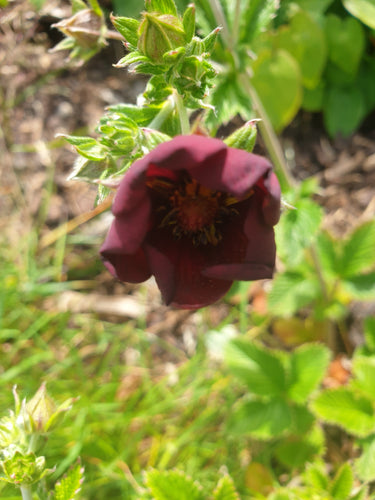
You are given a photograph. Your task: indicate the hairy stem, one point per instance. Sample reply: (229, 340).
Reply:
(182, 114)
(163, 114)
(269, 136)
(26, 492)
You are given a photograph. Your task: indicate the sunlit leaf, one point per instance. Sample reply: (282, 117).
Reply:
(344, 408)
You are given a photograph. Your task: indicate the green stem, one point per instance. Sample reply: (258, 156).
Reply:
(163, 114)
(182, 114)
(269, 136)
(26, 492)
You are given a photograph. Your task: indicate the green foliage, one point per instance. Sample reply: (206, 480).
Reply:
(172, 485)
(69, 487)
(364, 10)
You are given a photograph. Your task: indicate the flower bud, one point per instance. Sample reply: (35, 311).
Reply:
(85, 27)
(159, 34)
(244, 137)
(40, 409)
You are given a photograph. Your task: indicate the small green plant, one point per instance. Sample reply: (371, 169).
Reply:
(22, 435)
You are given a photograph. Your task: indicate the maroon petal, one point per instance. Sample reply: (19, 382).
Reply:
(132, 268)
(177, 267)
(132, 221)
(125, 265)
(271, 201)
(236, 174)
(185, 152)
(247, 250)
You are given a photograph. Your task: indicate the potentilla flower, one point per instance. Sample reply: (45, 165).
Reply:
(197, 215)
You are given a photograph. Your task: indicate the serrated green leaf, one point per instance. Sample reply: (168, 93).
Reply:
(328, 251)
(87, 170)
(161, 6)
(359, 250)
(68, 488)
(302, 419)
(364, 372)
(277, 81)
(342, 407)
(290, 292)
(365, 464)
(261, 419)
(87, 147)
(225, 489)
(128, 28)
(308, 365)
(342, 483)
(259, 368)
(315, 476)
(295, 452)
(364, 10)
(297, 230)
(172, 485)
(131, 58)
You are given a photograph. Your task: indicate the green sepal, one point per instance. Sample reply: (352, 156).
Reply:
(131, 58)
(210, 39)
(161, 6)
(188, 22)
(244, 137)
(128, 28)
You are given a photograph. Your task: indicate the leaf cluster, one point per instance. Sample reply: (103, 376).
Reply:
(321, 272)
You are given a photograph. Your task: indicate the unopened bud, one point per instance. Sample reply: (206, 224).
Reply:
(244, 137)
(159, 34)
(85, 27)
(40, 409)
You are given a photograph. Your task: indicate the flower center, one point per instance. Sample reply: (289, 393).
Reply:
(196, 207)
(193, 210)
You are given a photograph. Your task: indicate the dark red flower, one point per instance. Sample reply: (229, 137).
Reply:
(197, 215)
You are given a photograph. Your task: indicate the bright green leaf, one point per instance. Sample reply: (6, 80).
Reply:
(304, 39)
(188, 22)
(364, 10)
(360, 287)
(225, 490)
(297, 229)
(344, 408)
(161, 6)
(308, 365)
(364, 373)
(342, 483)
(277, 81)
(128, 28)
(359, 250)
(69, 487)
(290, 292)
(365, 464)
(261, 419)
(172, 485)
(260, 369)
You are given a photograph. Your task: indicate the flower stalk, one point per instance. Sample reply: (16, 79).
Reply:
(26, 492)
(182, 114)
